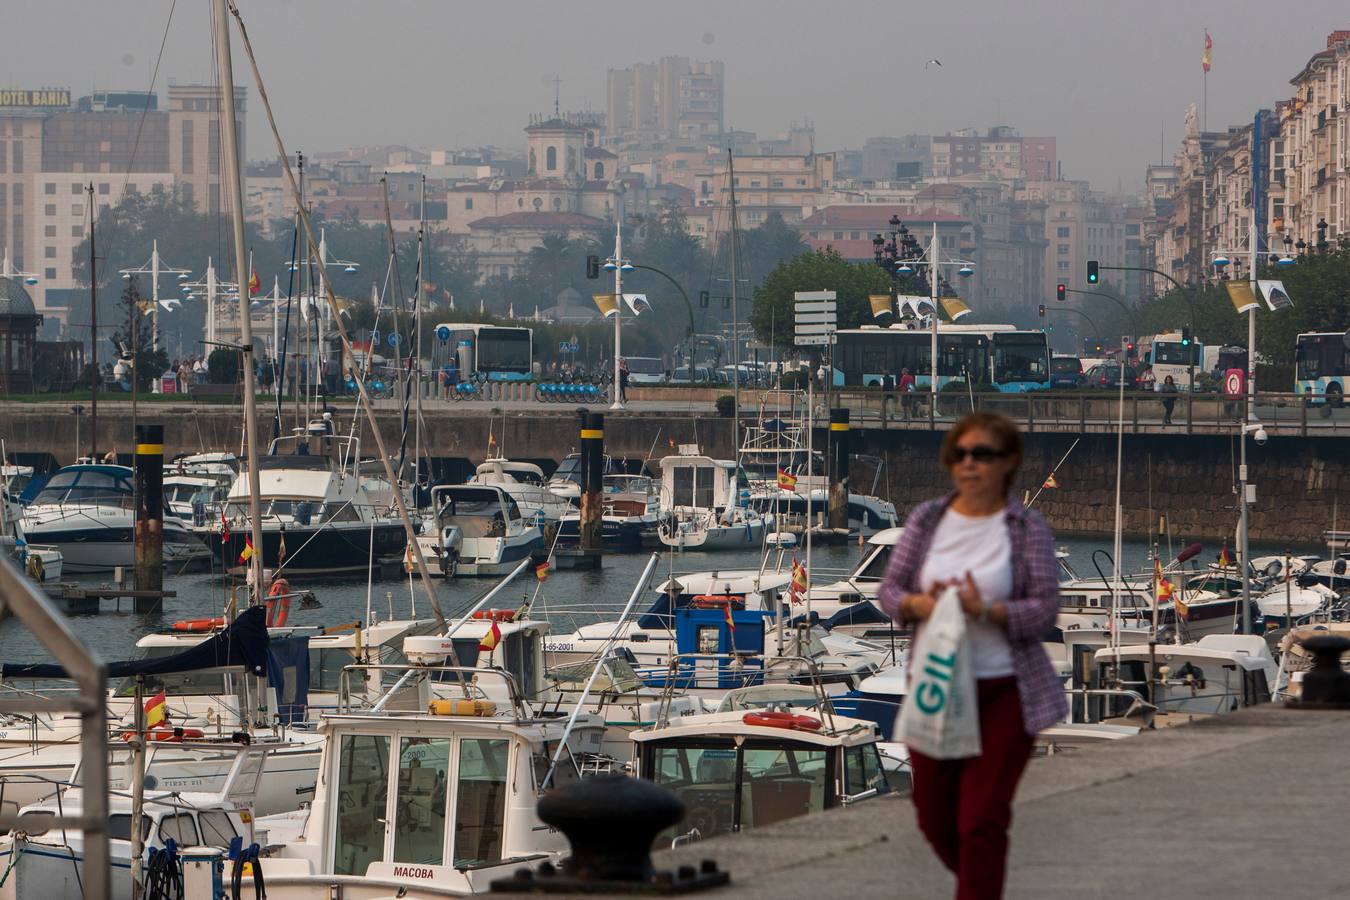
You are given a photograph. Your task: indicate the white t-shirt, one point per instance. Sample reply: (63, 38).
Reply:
(978, 545)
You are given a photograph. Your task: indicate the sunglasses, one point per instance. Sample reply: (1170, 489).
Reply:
(980, 453)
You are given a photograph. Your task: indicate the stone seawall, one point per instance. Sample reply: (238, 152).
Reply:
(1301, 484)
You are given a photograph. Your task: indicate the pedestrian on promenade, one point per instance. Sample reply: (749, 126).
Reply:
(1001, 558)
(623, 381)
(907, 392)
(1169, 399)
(887, 391)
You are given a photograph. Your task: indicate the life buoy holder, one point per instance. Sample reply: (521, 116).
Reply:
(278, 603)
(167, 735)
(718, 601)
(196, 626)
(790, 721)
(496, 615)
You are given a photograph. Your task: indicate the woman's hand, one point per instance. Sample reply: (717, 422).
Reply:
(969, 593)
(918, 607)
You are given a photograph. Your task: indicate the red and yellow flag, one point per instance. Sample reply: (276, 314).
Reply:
(491, 639)
(787, 481)
(492, 441)
(253, 283)
(726, 611)
(1050, 482)
(224, 528)
(541, 571)
(156, 710)
(1224, 559)
(797, 587)
(247, 553)
(1207, 57)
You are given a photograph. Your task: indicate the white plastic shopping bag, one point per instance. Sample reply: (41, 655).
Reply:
(940, 717)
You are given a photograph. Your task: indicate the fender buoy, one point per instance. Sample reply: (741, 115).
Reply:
(496, 615)
(789, 721)
(278, 602)
(193, 626)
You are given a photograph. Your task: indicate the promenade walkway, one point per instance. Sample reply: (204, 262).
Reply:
(1250, 805)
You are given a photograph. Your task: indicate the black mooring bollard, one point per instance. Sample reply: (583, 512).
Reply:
(1326, 684)
(610, 822)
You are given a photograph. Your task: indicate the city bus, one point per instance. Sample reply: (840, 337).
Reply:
(1320, 362)
(484, 352)
(1166, 355)
(1010, 359)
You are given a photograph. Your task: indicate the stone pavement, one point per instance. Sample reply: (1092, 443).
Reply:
(1253, 804)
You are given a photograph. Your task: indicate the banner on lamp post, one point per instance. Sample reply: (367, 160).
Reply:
(1240, 293)
(1276, 296)
(607, 304)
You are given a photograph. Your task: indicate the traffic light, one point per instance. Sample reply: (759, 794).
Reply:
(1042, 310)
(592, 267)
(1185, 337)
(1127, 345)
(1060, 291)
(1093, 276)
(703, 299)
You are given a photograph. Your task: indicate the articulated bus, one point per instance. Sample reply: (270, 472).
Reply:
(1320, 364)
(484, 352)
(1013, 360)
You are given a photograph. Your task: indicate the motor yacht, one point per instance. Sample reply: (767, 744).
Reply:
(476, 530)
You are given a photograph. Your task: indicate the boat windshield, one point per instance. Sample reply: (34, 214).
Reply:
(569, 469)
(477, 513)
(93, 486)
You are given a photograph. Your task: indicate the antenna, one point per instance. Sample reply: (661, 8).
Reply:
(557, 88)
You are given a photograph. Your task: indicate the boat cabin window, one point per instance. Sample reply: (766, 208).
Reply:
(217, 829)
(863, 771)
(85, 486)
(325, 670)
(39, 823)
(419, 814)
(340, 512)
(362, 788)
(566, 772)
(208, 682)
(520, 654)
(180, 828)
(569, 469)
(725, 790)
(119, 827)
(875, 569)
(693, 487)
(480, 806)
(478, 515)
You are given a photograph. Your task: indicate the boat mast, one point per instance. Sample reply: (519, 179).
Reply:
(93, 333)
(735, 326)
(235, 198)
(417, 337)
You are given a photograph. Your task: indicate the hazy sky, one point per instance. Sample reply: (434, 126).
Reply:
(1103, 77)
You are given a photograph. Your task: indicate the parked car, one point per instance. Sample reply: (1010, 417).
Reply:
(1107, 375)
(1066, 372)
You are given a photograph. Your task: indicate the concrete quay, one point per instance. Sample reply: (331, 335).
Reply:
(1252, 804)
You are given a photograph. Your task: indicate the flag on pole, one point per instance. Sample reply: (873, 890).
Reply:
(224, 528)
(281, 550)
(1181, 608)
(787, 481)
(492, 441)
(1208, 56)
(247, 553)
(491, 639)
(156, 710)
(409, 563)
(726, 611)
(1224, 560)
(797, 586)
(1050, 482)
(541, 571)
(253, 283)
(671, 441)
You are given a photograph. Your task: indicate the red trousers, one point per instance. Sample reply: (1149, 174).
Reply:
(965, 805)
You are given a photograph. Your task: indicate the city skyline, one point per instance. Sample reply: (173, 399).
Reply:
(1075, 73)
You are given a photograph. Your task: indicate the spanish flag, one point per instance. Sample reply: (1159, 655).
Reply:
(492, 441)
(247, 553)
(491, 639)
(156, 710)
(797, 587)
(1165, 591)
(1208, 56)
(726, 611)
(787, 481)
(253, 283)
(1180, 607)
(541, 571)
(224, 528)
(1050, 482)
(1224, 560)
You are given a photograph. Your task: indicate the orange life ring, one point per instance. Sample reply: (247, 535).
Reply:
(196, 626)
(278, 602)
(717, 601)
(790, 721)
(496, 615)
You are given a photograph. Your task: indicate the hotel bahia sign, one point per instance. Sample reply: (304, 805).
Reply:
(31, 99)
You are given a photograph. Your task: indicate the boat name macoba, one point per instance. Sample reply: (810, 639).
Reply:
(413, 872)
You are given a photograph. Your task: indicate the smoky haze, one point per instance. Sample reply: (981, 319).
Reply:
(1103, 78)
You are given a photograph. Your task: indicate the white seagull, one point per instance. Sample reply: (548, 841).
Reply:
(933, 62)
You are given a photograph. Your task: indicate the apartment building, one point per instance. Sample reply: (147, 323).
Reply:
(1310, 155)
(675, 98)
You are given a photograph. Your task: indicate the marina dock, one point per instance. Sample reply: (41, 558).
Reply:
(1250, 804)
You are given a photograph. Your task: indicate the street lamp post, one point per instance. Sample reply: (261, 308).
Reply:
(618, 265)
(155, 268)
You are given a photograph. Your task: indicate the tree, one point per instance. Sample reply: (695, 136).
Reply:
(771, 315)
(763, 248)
(135, 336)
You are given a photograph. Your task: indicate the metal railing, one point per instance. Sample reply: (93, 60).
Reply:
(1283, 414)
(91, 675)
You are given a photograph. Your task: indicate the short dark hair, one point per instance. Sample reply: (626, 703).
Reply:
(1004, 431)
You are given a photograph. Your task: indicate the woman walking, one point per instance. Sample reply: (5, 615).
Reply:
(1001, 559)
(1169, 399)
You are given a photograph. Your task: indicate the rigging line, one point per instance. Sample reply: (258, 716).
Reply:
(145, 110)
(280, 374)
(364, 396)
